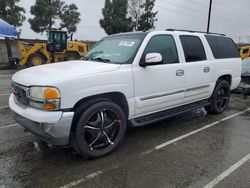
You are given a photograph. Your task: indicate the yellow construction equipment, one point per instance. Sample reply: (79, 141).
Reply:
(56, 49)
(244, 51)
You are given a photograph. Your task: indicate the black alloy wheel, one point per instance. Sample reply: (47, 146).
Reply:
(220, 98)
(100, 129)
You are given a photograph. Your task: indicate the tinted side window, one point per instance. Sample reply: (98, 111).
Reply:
(222, 47)
(165, 45)
(193, 48)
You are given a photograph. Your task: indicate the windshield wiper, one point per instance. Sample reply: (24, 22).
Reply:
(101, 59)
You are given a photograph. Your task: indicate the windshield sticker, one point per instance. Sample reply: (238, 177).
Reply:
(126, 43)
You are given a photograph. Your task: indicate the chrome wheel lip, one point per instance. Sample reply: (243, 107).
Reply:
(102, 131)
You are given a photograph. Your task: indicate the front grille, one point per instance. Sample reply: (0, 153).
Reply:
(21, 93)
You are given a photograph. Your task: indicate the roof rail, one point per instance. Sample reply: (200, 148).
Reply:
(195, 31)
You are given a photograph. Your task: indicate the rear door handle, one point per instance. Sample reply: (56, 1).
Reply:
(180, 72)
(206, 69)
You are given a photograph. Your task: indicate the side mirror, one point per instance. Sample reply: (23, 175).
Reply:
(151, 59)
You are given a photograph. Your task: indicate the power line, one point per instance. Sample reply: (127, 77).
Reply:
(225, 19)
(176, 11)
(200, 18)
(234, 8)
(196, 11)
(184, 7)
(198, 3)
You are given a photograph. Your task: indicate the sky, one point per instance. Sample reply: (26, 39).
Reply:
(228, 16)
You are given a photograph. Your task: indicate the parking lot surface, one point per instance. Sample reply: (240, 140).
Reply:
(191, 150)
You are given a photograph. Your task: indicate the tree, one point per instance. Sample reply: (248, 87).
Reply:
(135, 11)
(70, 19)
(142, 14)
(11, 12)
(50, 14)
(115, 18)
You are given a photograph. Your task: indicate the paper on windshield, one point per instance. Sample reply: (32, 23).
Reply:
(127, 43)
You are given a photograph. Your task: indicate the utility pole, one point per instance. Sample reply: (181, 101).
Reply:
(209, 16)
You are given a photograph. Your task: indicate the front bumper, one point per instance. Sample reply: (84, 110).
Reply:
(51, 127)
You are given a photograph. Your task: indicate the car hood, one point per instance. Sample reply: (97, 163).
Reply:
(53, 73)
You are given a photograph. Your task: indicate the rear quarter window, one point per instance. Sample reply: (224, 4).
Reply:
(222, 47)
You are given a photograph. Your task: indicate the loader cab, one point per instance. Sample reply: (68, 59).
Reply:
(57, 41)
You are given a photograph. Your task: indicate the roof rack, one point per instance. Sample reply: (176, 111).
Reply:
(194, 31)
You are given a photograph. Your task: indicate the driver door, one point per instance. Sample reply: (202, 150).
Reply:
(162, 86)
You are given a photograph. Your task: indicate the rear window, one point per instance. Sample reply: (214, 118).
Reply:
(222, 47)
(193, 48)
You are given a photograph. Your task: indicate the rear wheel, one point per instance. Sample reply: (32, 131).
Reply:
(100, 129)
(69, 56)
(220, 98)
(35, 59)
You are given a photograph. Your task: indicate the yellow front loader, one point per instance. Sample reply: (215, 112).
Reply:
(56, 49)
(244, 51)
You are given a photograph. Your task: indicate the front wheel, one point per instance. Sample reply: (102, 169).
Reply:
(100, 129)
(220, 98)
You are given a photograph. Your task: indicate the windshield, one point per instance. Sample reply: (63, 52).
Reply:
(119, 49)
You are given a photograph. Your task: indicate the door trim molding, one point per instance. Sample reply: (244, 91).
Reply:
(162, 95)
(198, 87)
(173, 92)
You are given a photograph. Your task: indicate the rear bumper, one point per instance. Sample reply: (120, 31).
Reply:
(53, 130)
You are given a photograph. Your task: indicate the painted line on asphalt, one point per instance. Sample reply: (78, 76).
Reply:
(2, 107)
(8, 126)
(4, 94)
(227, 172)
(192, 133)
(98, 173)
(88, 177)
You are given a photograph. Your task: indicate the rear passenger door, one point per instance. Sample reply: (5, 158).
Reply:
(197, 69)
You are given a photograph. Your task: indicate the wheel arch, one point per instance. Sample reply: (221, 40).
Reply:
(226, 77)
(116, 97)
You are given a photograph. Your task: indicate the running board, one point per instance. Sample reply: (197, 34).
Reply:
(159, 116)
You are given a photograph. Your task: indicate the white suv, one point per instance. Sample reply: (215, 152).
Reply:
(126, 79)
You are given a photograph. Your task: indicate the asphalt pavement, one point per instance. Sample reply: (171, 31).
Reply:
(191, 150)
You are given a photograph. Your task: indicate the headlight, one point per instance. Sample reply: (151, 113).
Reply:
(47, 98)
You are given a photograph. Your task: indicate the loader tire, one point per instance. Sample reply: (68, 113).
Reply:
(69, 56)
(35, 59)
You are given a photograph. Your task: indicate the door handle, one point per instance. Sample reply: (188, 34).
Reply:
(206, 69)
(180, 72)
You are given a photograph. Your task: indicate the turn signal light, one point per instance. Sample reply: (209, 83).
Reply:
(49, 106)
(51, 93)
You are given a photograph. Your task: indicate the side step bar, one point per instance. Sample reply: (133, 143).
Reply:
(159, 116)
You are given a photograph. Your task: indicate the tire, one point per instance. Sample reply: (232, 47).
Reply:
(35, 59)
(100, 129)
(69, 56)
(220, 98)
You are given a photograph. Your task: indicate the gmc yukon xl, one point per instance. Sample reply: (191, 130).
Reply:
(125, 79)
